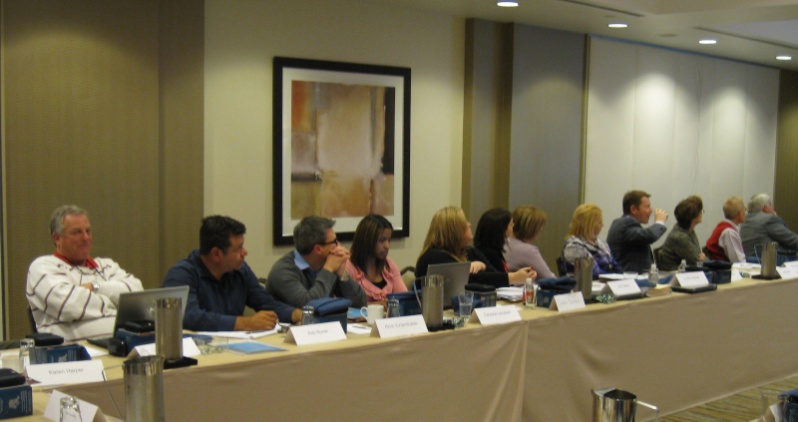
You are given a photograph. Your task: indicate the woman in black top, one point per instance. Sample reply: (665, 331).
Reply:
(448, 240)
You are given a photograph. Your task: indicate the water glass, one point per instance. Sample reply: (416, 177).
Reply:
(393, 308)
(465, 302)
(307, 315)
(26, 346)
(70, 410)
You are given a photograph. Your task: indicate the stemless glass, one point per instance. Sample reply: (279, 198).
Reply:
(70, 410)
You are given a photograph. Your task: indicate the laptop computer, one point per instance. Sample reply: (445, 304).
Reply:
(455, 277)
(140, 306)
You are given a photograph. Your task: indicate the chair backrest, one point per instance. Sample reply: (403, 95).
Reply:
(33, 328)
(561, 266)
(657, 258)
(408, 276)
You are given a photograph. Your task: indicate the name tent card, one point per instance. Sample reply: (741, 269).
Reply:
(791, 264)
(497, 315)
(568, 302)
(67, 372)
(325, 332)
(88, 411)
(622, 288)
(399, 327)
(787, 272)
(190, 348)
(691, 279)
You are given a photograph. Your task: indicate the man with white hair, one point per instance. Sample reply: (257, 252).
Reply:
(763, 225)
(70, 293)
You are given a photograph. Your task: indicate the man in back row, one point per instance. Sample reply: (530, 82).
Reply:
(724, 244)
(221, 284)
(629, 242)
(70, 293)
(763, 225)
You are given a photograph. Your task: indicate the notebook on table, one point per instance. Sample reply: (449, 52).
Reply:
(140, 306)
(455, 277)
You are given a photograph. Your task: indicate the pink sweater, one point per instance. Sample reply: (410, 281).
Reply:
(391, 275)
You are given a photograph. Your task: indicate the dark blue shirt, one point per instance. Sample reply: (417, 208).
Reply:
(213, 305)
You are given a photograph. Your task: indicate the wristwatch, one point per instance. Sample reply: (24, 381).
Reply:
(95, 286)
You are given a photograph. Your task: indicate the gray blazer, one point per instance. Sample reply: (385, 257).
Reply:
(760, 228)
(630, 243)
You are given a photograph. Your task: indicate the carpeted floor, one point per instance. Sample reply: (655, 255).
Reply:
(745, 406)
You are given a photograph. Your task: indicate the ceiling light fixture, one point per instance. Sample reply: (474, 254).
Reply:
(618, 25)
(503, 3)
(783, 57)
(708, 41)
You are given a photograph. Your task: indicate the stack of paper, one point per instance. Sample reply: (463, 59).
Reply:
(513, 294)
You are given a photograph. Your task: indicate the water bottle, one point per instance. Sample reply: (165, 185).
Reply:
(529, 293)
(653, 274)
(682, 266)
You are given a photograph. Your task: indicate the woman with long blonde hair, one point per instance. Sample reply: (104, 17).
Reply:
(448, 240)
(583, 240)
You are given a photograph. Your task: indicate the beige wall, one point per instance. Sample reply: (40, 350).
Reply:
(102, 108)
(242, 38)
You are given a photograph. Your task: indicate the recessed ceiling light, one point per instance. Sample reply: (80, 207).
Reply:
(708, 41)
(503, 3)
(783, 57)
(618, 25)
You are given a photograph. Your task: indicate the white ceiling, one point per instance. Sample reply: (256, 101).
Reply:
(749, 30)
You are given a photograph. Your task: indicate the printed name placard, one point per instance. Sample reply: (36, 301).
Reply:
(568, 302)
(88, 411)
(316, 333)
(190, 349)
(497, 315)
(622, 288)
(692, 279)
(787, 272)
(400, 326)
(67, 372)
(791, 264)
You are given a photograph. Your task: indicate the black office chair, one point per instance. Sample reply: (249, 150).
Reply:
(33, 328)
(561, 267)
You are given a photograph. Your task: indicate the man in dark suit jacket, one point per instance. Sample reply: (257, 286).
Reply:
(763, 225)
(629, 242)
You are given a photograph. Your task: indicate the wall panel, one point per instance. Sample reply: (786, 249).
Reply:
(676, 124)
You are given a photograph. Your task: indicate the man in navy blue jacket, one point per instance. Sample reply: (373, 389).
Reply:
(222, 284)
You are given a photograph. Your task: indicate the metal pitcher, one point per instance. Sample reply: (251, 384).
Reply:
(615, 405)
(431, 300)
(169, 328)
(583, 273)
(769, 254)
(144, 389)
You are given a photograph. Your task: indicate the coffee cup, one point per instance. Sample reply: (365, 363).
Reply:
(372, 313)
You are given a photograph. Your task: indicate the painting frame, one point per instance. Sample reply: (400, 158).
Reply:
(395, 140)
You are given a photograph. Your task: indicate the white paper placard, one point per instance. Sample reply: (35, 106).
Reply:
(497, 315)
(691, 279)
(736, 275)
(791, 264)
(622, 288)
(67, 372)
(568, 302)
(325, 332)
(190, 348)
(787, 272)
(400, 326)
(88, 411)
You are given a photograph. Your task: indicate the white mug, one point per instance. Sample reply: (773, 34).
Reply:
(372, 313)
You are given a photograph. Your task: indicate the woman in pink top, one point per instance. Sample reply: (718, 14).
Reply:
(369, 264)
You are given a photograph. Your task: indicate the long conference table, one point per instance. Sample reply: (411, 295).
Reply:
(676, 352)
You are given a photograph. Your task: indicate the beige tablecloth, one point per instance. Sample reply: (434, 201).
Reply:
(675, 352)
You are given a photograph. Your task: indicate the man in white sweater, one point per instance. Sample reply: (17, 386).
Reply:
(70, 293)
